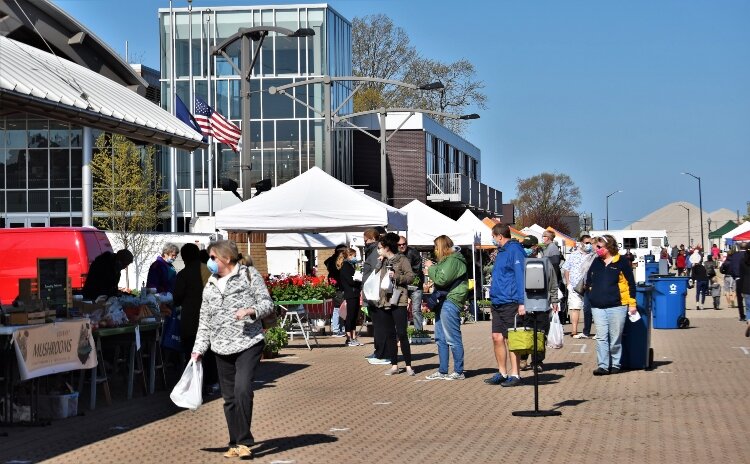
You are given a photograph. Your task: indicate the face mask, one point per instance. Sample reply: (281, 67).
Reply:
(600, 252)
(170, 260)
(494, 242)
(353, 260)
(528, 251)
(213, 266)
(587, 247)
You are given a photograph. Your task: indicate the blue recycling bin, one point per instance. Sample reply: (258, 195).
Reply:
(649, 258)
(652, 267)
(636, 337)
(668, 301)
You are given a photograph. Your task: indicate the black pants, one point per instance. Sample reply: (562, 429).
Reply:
(210, 376)
(352, 311)
(587, 316)
(542, 323)
(397, 322)
(379, 328)
(236, 372)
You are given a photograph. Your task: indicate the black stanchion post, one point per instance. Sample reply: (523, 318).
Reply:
(536, 412)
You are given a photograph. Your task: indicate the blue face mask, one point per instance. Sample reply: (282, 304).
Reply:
(213, 266)
(353, 260)
(170, 260)
(494, 242)
(528, 251)
(587, 248)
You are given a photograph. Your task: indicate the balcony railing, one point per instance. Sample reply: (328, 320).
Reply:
(458, 188)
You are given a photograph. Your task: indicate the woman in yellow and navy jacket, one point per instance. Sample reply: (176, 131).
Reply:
(611, 289)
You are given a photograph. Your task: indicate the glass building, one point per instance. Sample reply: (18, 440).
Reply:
(287, 137)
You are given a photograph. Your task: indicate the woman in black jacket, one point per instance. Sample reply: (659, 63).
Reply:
(700, 279)
(346, 263)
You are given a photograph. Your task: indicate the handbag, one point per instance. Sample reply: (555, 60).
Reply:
(170, 337)
(521, 339)
(435, 299)
(188, 393)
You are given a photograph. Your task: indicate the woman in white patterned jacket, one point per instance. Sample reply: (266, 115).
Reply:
(235, 301)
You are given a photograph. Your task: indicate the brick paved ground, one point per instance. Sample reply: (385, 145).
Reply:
(329, 405)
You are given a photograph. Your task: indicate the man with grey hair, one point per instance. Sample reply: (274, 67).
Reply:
(162, 274)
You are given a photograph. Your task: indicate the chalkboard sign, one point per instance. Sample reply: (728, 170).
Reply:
(53, 281)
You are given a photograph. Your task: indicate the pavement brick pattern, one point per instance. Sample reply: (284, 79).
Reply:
(329, 405)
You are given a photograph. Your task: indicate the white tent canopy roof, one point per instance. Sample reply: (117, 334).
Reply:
(291, 241)
(535, 230)
(471, 222)
(744, 227)
(311, 202)
(425, 224)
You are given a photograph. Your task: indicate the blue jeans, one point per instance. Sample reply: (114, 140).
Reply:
(610, 323)
(416, 308)
(448, 333)
(701, 289)
(335, 320)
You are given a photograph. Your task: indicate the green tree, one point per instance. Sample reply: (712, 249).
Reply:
(544, 199)
(383, 50)
(126, 195)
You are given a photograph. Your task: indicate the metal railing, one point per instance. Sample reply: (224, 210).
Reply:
(459, 188)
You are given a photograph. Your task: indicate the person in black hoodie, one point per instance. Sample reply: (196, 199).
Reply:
(351, 290)
(372, 259)
(700, 280)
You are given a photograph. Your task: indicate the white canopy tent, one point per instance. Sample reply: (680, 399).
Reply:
(484, 233)
(312, 241)
(311, 202)
(426, 224)
(535, 229)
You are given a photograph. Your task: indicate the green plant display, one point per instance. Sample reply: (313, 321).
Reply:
(276, 339)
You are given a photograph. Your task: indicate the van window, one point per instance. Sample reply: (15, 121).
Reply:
(629, 242)
(642, 242)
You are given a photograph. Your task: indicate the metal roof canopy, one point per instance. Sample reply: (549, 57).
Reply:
(34, 81)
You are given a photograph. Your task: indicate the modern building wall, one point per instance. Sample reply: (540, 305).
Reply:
(287, 137)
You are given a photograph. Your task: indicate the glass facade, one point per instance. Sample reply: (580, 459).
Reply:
(287, 137)
(40, 172)
(443, 158)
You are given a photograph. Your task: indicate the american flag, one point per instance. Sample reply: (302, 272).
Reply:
(212, 123)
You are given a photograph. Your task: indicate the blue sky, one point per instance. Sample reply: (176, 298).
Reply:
(618, 95)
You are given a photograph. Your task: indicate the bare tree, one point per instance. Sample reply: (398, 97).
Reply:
(126, 194)
(544, 199)
(384, 51)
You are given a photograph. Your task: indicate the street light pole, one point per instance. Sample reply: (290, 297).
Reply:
(688, 211)
(607, 210)
(700, 203)
(248, 57)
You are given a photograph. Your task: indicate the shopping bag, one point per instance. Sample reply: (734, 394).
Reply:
(386, 284)
(342, 310)
(170, 337)
(556, 333)
(188, 393)
(521, 339)
(371, 288)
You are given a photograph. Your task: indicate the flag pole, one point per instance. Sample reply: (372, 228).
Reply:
(193, 208)
(172, 150)
(210, 138)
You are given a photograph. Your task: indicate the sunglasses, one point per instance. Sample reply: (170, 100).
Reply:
(402, 244)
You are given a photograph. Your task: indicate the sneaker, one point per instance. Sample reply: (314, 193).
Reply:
(437, 375)
(357, 343)
(579, 336)
(351, 343)
(539, 367)
(370, 356)
(339, 334)
(614, 370)
(511, 381)
(456, 376)
(601, 371)
(239, 451)
(378, 361)
(496, 379)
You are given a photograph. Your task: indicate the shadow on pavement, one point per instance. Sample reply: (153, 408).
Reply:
(561, 366)
(281, 444)
(271, 371)
(565, 403)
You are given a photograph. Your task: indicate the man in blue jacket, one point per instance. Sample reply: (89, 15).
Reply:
(507, 296)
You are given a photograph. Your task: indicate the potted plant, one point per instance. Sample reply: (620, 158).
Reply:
(428, 317)
(276, 339)
(485, 306)
(418, 337)
(414, 284)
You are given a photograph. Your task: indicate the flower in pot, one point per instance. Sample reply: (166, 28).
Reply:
(276, 339)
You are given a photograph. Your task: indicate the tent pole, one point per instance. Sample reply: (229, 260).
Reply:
(474, 276)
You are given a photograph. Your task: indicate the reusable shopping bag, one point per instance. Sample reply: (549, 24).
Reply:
(170, 337)
(521, 339)
(188, 393)
(371, 288)
(556, 333)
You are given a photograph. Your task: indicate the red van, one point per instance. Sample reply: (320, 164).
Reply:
(21, 247)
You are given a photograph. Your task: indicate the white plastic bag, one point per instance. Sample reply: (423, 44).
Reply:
(371, 288)
(556, 333)
(386, 284)
(188, 393)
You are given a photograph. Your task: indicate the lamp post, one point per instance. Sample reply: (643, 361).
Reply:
(248, 56)
(700, 203)
(688, 210)
(607, 221)
(708, 221)
(329, 113)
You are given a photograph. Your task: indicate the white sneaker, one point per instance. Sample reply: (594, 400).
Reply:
(579, 336)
